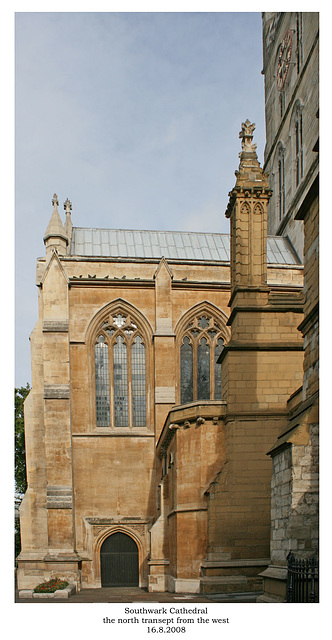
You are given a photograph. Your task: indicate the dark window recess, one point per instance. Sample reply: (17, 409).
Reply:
(217, 369)
(138, 383)
(203, 370)
(186, 371)
(200, 349)
(102, 383)
(120, 383)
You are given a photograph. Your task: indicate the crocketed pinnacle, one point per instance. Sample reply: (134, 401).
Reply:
(55, 227)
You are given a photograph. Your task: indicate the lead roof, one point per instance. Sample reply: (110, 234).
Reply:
(176, 245)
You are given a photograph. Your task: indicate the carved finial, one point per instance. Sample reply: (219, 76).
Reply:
(246, 133)
(67, 206)
(55, 200)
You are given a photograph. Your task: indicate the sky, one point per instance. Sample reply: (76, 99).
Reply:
(135, 117)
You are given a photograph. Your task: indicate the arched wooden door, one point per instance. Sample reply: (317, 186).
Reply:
(119, 561)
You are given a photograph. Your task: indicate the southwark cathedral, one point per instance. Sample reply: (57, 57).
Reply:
(171, 430)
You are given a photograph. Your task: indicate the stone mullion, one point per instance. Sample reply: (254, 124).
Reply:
(195, 371)
(111, 381)
(129, 345)
(212, 344)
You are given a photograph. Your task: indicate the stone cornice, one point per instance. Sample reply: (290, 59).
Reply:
(297, 429)
(93, 281)
(174, 512)
(188, 415)
(253, 416)
(293, 307)
(258, 346)
(310, 319)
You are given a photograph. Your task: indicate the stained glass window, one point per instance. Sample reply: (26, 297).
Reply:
(120, 367)
(203, 370)
(138, 382)
(120, 383)
(186, 371)
(201, 347)
(217, 369)
(299, 146)
(102, 383)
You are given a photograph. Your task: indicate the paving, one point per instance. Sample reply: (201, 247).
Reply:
(132, 594)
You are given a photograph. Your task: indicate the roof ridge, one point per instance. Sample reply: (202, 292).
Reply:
(205, 233)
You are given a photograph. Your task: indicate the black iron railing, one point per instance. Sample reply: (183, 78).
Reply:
(302, 579)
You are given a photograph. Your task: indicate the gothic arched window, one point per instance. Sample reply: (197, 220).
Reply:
(298, 146)
(299, 41)
(281, 182)
(120, 374)
(201, 345)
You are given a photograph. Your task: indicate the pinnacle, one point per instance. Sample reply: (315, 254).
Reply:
(55, 227)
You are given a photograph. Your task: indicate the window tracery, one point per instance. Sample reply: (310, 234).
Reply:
(120, 373)
(201, 345)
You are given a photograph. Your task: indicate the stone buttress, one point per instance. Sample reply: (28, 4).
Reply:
(261, 365)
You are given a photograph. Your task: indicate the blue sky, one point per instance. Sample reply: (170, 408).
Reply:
(132, 116)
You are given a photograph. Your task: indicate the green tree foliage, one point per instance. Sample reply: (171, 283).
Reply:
(20, 467)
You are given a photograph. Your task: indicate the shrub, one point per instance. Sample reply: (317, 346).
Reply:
(51, 586)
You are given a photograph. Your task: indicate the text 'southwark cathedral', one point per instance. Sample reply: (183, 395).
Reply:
(171, 429)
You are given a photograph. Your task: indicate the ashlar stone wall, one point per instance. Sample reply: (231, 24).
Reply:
(294, 500)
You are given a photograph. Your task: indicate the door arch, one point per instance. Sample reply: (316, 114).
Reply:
(119, 561)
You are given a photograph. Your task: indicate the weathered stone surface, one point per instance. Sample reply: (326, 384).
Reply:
(191, 482)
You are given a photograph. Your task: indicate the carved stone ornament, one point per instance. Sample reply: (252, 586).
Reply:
(55, 200)
(67, 206)
(258, 209)
(246, 133)
(245, 208)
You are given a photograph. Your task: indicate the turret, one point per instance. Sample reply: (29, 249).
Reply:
(247, 210)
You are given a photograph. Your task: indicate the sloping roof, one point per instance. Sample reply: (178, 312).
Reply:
(177, 245)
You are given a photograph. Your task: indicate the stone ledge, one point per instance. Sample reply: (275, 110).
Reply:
(250, 562)
(55, 326)
(269, 599)
(59, 497)
(225, 580)
(56, 391)
(60, 593)
(278, 573)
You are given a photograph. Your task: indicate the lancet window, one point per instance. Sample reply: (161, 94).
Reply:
(299, 41)
(281, 183)
(201, 346)
(120, 374)
(298, 146)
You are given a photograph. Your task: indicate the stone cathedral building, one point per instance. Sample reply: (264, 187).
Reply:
(291, 73)
(171, 374)
(161, 367)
